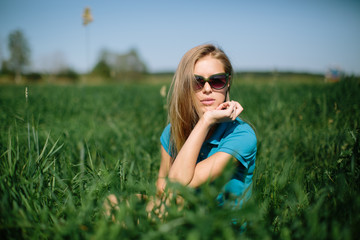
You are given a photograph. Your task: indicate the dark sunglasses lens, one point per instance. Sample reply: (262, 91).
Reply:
(218, 81)
(199, 82)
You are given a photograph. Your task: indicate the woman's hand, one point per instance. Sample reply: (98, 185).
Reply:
(183, 167)
(160, 186)
(225, 112)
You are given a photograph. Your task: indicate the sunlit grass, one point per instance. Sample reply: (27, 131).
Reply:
(68, 147)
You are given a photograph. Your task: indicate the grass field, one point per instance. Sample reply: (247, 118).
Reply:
(65, 148)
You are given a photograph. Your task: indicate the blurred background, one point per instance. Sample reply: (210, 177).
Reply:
(127, 39)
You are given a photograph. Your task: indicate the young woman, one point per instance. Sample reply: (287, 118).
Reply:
(204, 133)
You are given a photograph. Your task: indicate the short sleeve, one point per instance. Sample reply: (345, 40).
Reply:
(165, 139)
(240, 142)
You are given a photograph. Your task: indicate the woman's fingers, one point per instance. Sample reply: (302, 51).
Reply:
(234, 109)
(223, 106)
(237, 109)
(227, 111)
(231, 111)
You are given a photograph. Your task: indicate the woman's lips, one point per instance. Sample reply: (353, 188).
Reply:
(207, 101)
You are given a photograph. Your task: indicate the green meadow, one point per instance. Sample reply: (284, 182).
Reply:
(64, 148)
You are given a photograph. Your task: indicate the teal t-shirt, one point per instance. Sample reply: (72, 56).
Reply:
(236, 138)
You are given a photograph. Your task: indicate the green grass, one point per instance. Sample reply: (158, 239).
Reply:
(67, 147)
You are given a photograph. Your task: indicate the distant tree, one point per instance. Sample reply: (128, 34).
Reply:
(102, 69)
(128, 65)
(69, 74)
(5, 68)
(19, 53)
(33, 76)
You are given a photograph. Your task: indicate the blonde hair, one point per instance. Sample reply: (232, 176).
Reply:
(182, 113)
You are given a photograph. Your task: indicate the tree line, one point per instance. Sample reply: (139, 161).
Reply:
(110, 66)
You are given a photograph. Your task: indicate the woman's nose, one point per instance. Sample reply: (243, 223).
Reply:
(207, 87)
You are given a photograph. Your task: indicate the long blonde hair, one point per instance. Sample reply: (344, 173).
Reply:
(182, 111)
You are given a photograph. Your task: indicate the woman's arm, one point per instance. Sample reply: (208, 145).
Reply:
(211, 168)
(184, 168)
(163, 171)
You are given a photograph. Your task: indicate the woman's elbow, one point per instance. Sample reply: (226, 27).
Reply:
(175, 176)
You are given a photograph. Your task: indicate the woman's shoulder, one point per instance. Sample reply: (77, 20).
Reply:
(167, 127)
(165, 135)
(239, 140)
(165, 138)
(240, 126)
(240, 133)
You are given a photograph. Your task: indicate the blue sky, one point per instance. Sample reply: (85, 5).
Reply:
(257, 35)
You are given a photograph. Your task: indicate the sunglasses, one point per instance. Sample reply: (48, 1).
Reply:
(217, 81)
